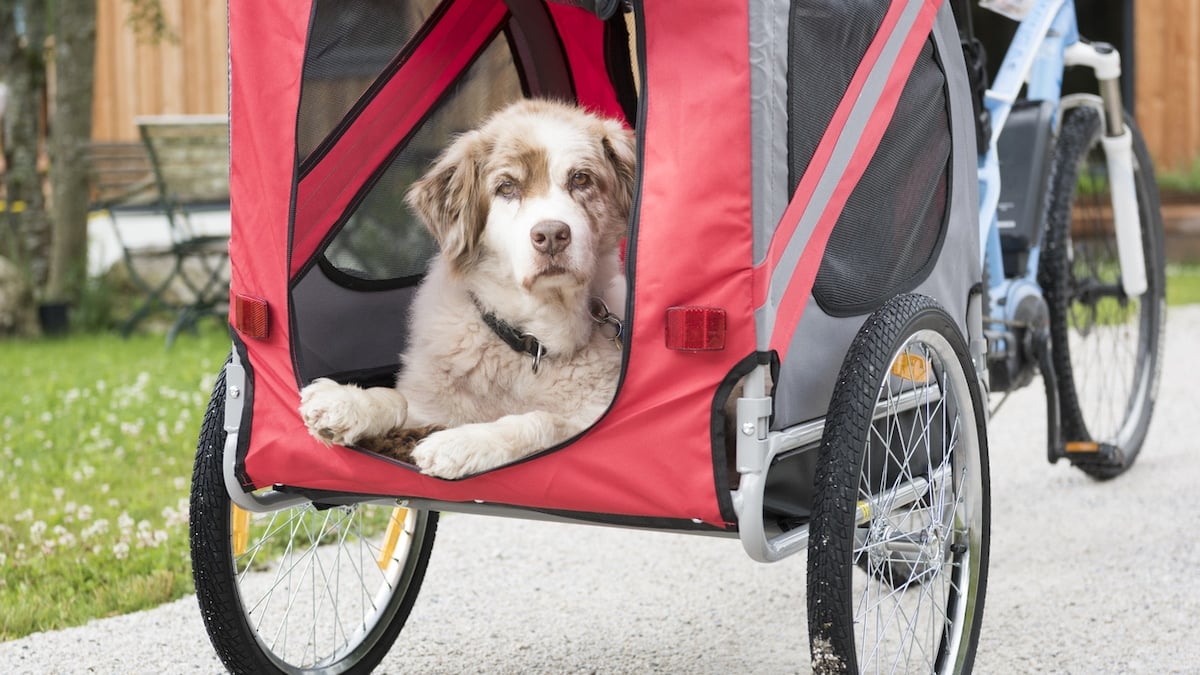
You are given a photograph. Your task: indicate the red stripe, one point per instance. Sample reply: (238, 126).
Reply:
(326, 192)
(791, 306)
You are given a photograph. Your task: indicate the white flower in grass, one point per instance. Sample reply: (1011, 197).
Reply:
(84, 512)
(27, 514)
(180, 482)
(120, 550)
(125, 523)
(36, 531)
(46, 417)
(3, 558)
(58, 494)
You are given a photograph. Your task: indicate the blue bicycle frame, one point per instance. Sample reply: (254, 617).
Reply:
(1046, 41)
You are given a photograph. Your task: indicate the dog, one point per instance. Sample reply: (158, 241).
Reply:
(514, 344)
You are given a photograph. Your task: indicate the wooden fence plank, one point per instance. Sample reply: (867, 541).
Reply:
(1167, 81)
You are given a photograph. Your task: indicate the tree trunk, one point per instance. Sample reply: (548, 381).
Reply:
(70, 133)
(22, 32)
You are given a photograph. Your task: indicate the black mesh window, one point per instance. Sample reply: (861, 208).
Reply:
(383, 241)
(892, 225)
(827, 40)
(350, 44)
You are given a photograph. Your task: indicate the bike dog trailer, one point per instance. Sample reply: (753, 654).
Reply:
(803, 232)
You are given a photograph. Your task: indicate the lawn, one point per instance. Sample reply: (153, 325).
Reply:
(97, 435)
(1183, 284)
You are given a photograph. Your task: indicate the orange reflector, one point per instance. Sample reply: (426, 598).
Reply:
(1082, 446)
(910, 367)
(695, 329)
(239, 524)
(250, 316)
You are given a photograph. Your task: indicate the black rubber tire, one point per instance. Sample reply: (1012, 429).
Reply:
(940, 545)
(1107, 349)
(219, 587)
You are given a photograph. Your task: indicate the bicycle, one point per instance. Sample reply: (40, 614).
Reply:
(840, 279)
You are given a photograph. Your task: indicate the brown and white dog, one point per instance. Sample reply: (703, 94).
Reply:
(511, 351)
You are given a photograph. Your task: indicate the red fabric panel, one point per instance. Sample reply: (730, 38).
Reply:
(583, 41)
(266, 40)
(651, 455)
(792, 304)
(325, 193)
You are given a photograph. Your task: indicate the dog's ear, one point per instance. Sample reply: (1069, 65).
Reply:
(619, 147)
(449, 200)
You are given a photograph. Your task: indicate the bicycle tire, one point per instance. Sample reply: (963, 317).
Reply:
(893, 489)
(1106, 347)
(241, 626)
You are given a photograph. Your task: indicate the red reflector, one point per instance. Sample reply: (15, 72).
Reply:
(695, 329)
(250, 316)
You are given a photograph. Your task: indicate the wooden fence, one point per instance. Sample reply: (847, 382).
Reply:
(187, 74)
(1167, 79)
(181, 73)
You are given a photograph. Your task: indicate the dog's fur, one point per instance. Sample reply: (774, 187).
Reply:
(490, 201)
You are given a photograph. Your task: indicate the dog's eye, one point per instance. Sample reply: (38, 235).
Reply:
(506, 188)
(580, 180)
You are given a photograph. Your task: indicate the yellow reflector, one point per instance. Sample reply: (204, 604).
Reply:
(392, 536)
(910, 367)
(864, 512)
(1082, 446)
(240, 524)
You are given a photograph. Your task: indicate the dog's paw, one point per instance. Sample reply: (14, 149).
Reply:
(333, 412)
(458, 452)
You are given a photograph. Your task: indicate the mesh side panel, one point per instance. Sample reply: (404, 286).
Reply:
(827, 40)
(892, 225)
(350, 44)
(383, 240)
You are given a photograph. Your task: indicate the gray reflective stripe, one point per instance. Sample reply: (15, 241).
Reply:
(844, 149)
(768, 118)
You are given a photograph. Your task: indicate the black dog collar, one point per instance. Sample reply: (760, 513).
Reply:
(514, 337)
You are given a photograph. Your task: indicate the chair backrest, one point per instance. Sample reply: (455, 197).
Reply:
(120, 173)
(190, 157)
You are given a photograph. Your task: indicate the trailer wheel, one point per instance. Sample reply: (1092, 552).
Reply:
(898, 542)
(313, 588)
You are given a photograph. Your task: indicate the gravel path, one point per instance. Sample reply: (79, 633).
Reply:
(1086, 577)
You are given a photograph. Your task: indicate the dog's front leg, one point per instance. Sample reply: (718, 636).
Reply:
(472, 448)
(344, 413)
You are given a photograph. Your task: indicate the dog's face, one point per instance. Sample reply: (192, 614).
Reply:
(538, 194)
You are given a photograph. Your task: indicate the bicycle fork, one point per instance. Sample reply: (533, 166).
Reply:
(1105, 62)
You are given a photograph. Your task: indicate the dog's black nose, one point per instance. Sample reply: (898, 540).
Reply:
(550, 236)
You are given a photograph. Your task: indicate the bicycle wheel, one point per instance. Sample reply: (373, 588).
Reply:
(305, 589)
(898, 541)
(1106, 346)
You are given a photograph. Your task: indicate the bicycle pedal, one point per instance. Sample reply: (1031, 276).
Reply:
(1093, 454)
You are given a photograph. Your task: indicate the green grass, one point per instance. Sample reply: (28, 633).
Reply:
(1183, 284)
(96, 442)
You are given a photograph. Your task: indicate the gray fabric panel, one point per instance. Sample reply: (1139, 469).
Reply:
(959, 266)
(820, 342)
(768, 118)
(842, 152)
(338, 330)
